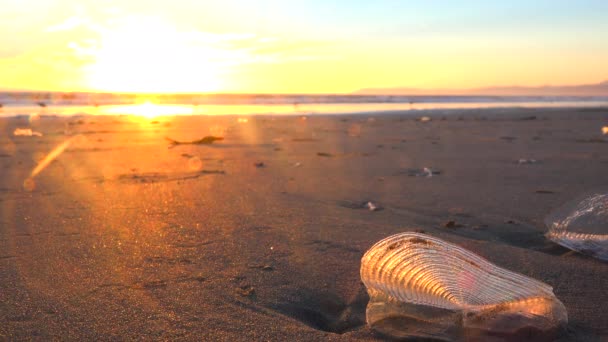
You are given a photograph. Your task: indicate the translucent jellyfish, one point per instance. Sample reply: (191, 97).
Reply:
(424, 287)
(582, 225)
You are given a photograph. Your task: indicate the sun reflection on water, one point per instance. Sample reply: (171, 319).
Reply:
(150, 110)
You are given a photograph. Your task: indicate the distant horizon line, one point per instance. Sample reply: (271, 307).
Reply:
(400, 91)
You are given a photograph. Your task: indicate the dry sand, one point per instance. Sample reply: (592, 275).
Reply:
(122, 237)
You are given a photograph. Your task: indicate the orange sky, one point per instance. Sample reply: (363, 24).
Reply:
(306, 47)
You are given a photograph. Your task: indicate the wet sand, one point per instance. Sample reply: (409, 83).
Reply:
(260, 236)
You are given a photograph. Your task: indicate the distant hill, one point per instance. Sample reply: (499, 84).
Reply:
(600, 89)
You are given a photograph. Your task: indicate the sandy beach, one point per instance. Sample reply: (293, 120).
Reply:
(259, 236)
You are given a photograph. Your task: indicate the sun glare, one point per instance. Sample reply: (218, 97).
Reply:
(148, 55)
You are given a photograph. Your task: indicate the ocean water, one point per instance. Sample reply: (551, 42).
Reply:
(15, 104)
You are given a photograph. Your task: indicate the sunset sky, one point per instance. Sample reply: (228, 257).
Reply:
(298, 46)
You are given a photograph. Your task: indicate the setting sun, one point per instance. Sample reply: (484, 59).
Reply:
(143, 54)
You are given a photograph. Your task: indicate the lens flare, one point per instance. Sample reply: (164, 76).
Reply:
(53, 154)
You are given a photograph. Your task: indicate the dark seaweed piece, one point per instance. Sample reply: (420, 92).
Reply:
(208, 140)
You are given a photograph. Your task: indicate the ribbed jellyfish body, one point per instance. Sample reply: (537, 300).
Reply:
(413, 278)
(582, 225)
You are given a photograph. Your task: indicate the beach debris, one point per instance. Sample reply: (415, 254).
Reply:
(581, 225)
(480, 226)
(245, 290)
(423, 287)
(528, 118)
(208, 140)
(452, 224)
(507, 138)
(424, 119)
(26, 132)
(304, 139)
(427, 172)
(605, 130)
(424, 172)
(372, 207)
(298, 164)
(523, 161)
(592, 141)
(262, 267)
(324, 154)
(157, 177)
(369, 205)
(259, 164)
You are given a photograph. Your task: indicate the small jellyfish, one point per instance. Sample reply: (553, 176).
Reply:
(354, 130)
(29, 184)
(427, 172)
(217, 130)
(195, 163)
(582, 225)
(423, 287)
(33, 118)
(27, 132)
(524, 161)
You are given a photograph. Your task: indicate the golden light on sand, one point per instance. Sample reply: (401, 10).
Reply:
(605, 130)
(148, 55)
